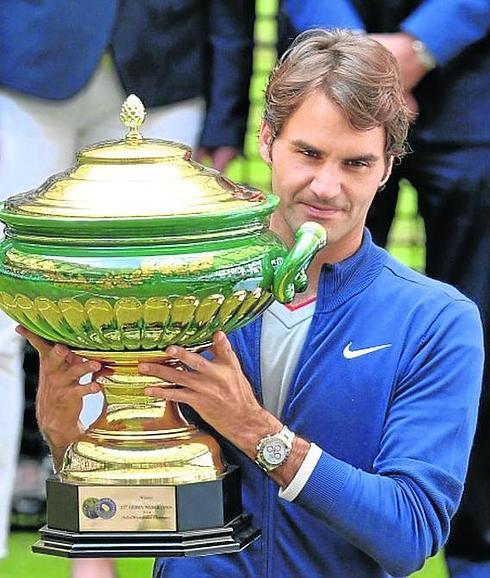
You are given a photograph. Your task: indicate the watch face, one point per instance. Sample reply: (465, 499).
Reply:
(274, 451)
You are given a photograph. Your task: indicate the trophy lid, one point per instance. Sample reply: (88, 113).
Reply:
(136, 188)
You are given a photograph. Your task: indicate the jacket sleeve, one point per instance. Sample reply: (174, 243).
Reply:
(399, 512)
(230, 30)
(339, 14)
(447, 27)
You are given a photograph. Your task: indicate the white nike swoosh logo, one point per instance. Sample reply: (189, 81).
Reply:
(352, 354)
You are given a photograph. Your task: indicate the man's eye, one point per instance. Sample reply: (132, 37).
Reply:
(357, 163)
(309, 153)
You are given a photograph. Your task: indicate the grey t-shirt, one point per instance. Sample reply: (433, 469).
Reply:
(284, 330)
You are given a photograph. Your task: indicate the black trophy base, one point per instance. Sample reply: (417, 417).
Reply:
(196, 519)
(233, 537)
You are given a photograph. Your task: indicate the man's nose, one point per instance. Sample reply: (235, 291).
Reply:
(327, 181)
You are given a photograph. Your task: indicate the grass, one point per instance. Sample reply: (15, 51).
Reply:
(22, 563)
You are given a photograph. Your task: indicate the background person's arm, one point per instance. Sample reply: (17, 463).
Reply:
(230, 38)
(444, 27)
(448, 27)
(306, 14)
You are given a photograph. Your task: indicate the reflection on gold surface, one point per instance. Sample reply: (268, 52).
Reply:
(141, 440)
(135, 178)
(129, 323)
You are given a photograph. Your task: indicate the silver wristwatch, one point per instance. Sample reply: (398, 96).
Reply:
(423, 55)
(273, 450)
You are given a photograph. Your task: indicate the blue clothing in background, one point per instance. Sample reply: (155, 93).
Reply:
(164, 51)
(454, 99)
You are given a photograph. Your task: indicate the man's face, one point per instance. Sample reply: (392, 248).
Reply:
(324, 170)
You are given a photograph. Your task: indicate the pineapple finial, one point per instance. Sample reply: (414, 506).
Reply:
(132, 116)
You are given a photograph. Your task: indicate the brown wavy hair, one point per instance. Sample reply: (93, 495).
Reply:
(354, 71)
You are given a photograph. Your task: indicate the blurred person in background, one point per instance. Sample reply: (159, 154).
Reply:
(443, 51)
(65, 68)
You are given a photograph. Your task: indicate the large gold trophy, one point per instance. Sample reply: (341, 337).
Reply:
(136, 248)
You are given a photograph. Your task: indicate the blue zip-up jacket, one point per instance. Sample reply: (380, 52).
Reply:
(395, 426)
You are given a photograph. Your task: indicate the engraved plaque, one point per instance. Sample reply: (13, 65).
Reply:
(127, 508)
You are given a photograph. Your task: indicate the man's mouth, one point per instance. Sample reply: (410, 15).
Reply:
(318, 210)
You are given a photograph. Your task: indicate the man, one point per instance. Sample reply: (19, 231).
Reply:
(445, 78)
(376, 369)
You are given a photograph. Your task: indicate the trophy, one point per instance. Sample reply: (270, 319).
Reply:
(135, 248)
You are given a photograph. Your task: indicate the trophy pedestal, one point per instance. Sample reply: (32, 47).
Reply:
(142, 481)
(92, 521)
(233, 537)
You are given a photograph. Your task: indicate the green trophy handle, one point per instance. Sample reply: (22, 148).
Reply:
(290, 278)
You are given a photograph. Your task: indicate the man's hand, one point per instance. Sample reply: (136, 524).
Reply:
(218, 391)
(401, 45)
(221, 394)
(220, 157)
(59, 393)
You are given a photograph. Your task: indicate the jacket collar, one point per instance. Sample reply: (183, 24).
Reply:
(341, 281)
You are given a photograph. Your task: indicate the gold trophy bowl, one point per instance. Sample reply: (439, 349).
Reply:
(133, 249)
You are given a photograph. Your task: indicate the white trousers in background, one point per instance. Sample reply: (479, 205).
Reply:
(37, 139)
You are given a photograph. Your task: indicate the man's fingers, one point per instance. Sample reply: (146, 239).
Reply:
(181, 395)
(193, 360)
(166, 373)
(55, 353)
(80, 369)
(56, 357)
(87, 389)
(72, 358)
(40, 344)
(103, 372)
(222, 348)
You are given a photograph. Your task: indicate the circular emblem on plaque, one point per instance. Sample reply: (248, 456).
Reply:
(105, 508)
(89, 508)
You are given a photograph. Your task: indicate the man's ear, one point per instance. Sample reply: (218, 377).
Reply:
(389, 168)
(265, 142)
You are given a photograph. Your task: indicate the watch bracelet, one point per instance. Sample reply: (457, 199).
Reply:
(423, 55)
